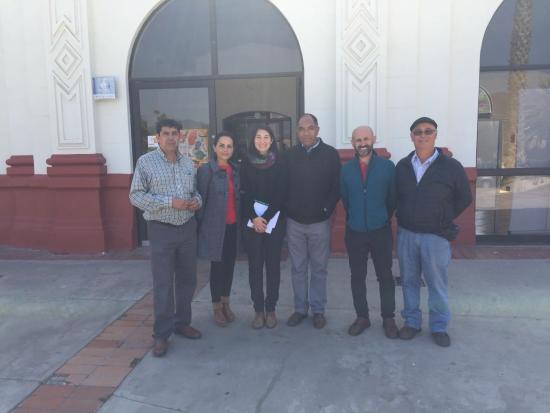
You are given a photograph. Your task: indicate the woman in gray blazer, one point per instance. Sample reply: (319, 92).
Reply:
(219, 186)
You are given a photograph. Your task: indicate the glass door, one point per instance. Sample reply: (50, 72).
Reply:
(186, 102)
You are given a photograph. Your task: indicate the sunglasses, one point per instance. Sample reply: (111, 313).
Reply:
(427, 132)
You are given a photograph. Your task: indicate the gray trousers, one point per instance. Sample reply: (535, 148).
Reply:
(174, 268)
(309, 245)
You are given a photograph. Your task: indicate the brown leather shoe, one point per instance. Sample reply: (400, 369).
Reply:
(160, 347)
(270, 319)
(219, 316)
(390, 328)
(295, 319)
(227, 312)
(408, 333)
(359, 325)
(259, 320)
(188, 332)
(319, 320)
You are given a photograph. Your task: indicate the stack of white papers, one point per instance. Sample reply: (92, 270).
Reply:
(259, 209)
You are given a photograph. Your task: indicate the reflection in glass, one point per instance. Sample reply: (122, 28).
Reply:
(488, 133)
(186, 105)
(244, 124)
(253, 37)
(254, 100)
(526, 145)
(175, 42)
(516, 205)
(529, 18)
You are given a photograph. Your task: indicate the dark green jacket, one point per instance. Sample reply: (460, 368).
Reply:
(369, 205)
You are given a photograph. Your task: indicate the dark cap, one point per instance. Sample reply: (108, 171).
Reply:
(423, 119)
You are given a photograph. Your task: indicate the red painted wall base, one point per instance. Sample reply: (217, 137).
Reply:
(76, 207)
(466, 221)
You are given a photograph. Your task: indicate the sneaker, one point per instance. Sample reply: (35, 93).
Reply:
(359, 325)
(295, 319)
(390, 328)
(319, 320)
(442, 339)
(408, 333)
(259, 320)
(270, 319)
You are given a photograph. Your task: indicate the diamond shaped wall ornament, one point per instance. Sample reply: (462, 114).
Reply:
(360, 46)
(360, 64)
(72, 122)
(67, 60)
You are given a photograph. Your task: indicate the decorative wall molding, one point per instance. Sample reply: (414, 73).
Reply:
(70, 76)
(359, 65)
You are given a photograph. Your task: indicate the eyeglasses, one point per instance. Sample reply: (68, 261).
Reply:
(427, 132)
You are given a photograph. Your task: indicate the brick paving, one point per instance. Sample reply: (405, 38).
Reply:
(89, 378)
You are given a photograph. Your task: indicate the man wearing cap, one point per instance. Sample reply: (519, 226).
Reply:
(432, 190)
(367, 188)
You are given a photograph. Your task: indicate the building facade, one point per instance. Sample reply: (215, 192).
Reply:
(81, 91)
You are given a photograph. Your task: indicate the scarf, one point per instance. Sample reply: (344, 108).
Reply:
(262, 162)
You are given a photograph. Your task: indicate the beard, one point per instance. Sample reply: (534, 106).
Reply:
(363, 151)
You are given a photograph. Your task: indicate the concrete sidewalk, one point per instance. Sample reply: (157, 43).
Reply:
(50, 309)
(499, 360)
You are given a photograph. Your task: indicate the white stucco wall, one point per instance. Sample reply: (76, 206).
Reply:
(431, 68)
(314, 25)
(112, 34)
(24, 110)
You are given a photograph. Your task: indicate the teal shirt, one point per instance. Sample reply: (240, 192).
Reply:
(370, 204)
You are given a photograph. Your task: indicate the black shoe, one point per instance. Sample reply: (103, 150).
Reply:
(408, 333)
(295, 319)
(442, 339)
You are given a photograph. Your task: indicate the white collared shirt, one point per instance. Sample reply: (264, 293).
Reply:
(312, 147)
(419, 167)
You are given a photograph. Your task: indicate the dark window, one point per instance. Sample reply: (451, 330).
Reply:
(252, 38)
(531, 21)
(175, 42)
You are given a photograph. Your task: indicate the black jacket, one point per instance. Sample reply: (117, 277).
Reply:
(264, 185)
(441, 195)
(313, 183)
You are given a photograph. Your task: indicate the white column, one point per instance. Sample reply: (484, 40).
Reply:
(360, 67)
(71, 105)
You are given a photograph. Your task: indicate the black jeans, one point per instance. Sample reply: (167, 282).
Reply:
(221, 272)
(265, 249)
(379, 244)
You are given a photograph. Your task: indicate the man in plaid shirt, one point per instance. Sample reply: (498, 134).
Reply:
(164, 188)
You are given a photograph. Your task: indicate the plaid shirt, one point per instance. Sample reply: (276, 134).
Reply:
(156, 181)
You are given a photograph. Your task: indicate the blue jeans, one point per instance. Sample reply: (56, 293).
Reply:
(428, 255)
(309, 246)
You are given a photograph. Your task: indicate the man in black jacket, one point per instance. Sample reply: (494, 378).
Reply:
(432, 190)
(313, 190)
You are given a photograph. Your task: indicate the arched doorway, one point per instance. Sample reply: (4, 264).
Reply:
(210, 64)
(513, 149)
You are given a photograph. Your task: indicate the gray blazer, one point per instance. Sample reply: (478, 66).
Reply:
(212, 186)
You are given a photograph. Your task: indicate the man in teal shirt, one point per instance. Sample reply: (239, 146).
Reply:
(368, 194)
